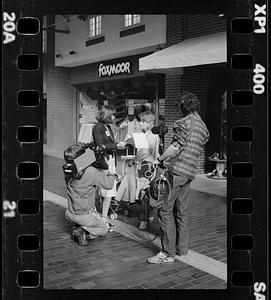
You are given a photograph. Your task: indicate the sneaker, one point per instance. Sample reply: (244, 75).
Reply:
(110, 227)
(160, 258)
(142, 225)
(90, 236)
(79, 236)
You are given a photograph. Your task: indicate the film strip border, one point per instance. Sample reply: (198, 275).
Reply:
(247, 199)
(247, 160)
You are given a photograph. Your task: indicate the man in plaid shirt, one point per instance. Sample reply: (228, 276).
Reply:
(190, 134)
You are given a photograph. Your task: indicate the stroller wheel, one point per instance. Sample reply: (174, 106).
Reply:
(113, 216)
(126, 212)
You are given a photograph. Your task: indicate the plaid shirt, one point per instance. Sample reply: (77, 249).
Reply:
(186, 164)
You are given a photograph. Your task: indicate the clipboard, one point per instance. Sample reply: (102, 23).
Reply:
(85, 160)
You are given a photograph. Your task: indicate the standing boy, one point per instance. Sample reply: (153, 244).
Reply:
(191, 134)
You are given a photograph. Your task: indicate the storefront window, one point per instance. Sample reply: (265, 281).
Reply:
(130, 97)
(88, 108)
(95, 26)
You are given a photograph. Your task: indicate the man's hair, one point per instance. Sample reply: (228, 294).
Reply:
(74, 151)
(147, 116)
(188, 103)
(105, 113)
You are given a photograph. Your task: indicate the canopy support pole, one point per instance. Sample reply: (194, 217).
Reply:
(156, 100)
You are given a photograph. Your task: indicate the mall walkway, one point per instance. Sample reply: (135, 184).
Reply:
(119, 259)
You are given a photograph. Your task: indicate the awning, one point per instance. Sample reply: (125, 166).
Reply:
(204, 50)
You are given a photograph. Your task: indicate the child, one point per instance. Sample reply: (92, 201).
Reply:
(144, 159)
(81, 191)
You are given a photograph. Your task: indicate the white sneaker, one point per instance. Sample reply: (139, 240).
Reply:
(110, 227)
(160, 258)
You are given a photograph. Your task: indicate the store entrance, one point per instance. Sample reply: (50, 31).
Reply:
(216, 117)
(130, 97)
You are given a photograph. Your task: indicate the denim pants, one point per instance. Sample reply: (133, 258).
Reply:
(173, 218)
(145, 210)
(92, 222)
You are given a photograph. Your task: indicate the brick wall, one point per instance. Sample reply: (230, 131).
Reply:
(194, 79)
(198, 25)
(175, 29)
(61, 102)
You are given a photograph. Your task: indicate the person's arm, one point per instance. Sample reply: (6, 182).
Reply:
(103, 179)
(156, 150)
(172, 150)
(99, 138)
(181, 132)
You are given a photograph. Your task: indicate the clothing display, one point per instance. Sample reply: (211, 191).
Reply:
(85, 134)
(126, 128)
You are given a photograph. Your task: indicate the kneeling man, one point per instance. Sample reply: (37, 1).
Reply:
(81, 191)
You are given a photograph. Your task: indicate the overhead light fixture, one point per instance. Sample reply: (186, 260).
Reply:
(221, 15)
(72, 52)
(58, 55)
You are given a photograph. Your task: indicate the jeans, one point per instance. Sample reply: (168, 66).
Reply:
(145, 210)
(92, 222)
(173, 218)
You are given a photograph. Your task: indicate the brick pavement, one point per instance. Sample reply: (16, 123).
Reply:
(116, 261)
(112, 262)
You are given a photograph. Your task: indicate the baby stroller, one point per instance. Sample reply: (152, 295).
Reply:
(114, 207)
(150, 181)
(143, 176)
(152, 195)
(157, 186)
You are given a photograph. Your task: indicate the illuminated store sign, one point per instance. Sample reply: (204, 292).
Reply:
(114, 69)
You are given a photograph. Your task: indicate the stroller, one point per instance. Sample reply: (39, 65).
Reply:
(148, 184)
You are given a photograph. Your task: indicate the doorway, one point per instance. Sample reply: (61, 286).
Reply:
(216, 117)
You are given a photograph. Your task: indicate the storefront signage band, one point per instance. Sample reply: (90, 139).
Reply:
(114, 69)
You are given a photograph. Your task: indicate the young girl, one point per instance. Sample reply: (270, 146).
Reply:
(144, 159)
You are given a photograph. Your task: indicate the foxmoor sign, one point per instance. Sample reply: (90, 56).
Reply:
(114, 69)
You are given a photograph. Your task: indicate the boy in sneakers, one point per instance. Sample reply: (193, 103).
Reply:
(190, 134)
(81, 191)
